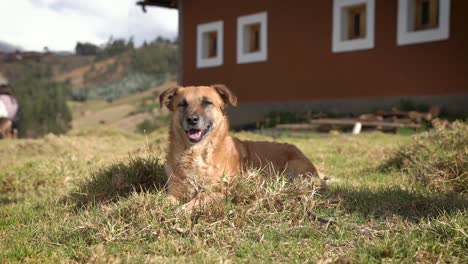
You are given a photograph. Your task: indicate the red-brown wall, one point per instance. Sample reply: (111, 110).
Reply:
(301, 65)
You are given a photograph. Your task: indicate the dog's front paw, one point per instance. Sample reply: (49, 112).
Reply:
(172, 200)
(193, 205)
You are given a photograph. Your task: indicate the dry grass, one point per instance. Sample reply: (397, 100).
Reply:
(98, 196)
(437, 159)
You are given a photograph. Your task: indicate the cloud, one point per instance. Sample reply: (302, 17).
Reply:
(59, 24)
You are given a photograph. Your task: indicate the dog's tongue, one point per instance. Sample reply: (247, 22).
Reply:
(194, 134)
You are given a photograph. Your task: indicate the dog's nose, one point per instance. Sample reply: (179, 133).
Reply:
(193, 119)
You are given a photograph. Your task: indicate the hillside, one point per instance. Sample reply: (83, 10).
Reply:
(43, 82)
(12, 64)
(87, 74)
(122, 113)
(120, 70)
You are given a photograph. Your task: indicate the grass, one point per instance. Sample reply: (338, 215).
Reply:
(97, 195)
(436, 159)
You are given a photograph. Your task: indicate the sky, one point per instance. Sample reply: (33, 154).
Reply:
(60, 24)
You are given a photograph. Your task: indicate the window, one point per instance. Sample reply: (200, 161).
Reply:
(210, 44)
(422, 21)
(426, 14)
(252, 38)
(353, 25)
(356, 21)
(210, 40)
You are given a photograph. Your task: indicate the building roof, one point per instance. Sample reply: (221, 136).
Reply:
(160, 3)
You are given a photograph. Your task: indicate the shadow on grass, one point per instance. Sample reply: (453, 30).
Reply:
(6, 201)
(388, 202)
(119, 180)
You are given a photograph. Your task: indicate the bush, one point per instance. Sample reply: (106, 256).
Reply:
(437, 159)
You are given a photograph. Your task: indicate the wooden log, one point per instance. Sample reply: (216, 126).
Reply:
(345, 122)
(434, 112)
(370, 117)
(364, 123)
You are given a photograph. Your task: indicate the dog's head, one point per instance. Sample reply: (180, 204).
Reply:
(198, 110)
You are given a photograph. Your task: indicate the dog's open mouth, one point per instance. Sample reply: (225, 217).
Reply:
(196, 135)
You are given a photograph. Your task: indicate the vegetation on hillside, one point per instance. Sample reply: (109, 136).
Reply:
(132, 70)
(115, 47)
(97, 196)
(43, 107)
(130, 84)
(157, 57)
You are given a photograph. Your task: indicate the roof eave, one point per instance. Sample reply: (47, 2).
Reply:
(160, 3)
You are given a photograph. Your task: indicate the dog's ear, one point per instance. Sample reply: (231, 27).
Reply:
(226, 94)
(165, 99)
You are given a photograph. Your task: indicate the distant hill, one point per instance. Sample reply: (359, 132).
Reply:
(118, 70)
(12, 64)
(7, 47)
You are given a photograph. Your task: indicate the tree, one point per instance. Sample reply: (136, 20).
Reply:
(86, 49)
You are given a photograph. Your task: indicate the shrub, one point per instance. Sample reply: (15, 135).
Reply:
(437, 159)
(43, 107)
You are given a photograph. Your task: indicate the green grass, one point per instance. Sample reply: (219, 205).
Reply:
(96, 195)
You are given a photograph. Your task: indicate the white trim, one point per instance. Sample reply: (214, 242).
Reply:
(242, 22)
(201, 30)
(407, 36)
(342, 45)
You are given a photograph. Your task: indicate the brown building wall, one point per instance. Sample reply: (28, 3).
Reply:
(301, 65)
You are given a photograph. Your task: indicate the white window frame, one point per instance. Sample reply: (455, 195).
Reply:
(262, 54)
(407, 36)
(201, 30)
(340, 45)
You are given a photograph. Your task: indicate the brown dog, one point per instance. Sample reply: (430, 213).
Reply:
(201, 151)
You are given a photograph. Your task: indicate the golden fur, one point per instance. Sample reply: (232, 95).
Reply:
(195, 169)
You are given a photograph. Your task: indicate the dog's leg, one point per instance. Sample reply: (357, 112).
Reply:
(301, 167)
(304, 168)
(170, 199)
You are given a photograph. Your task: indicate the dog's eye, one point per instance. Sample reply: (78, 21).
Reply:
(206, 103)
(183, 104)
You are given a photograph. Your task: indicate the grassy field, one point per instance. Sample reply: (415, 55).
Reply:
(94, 196)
